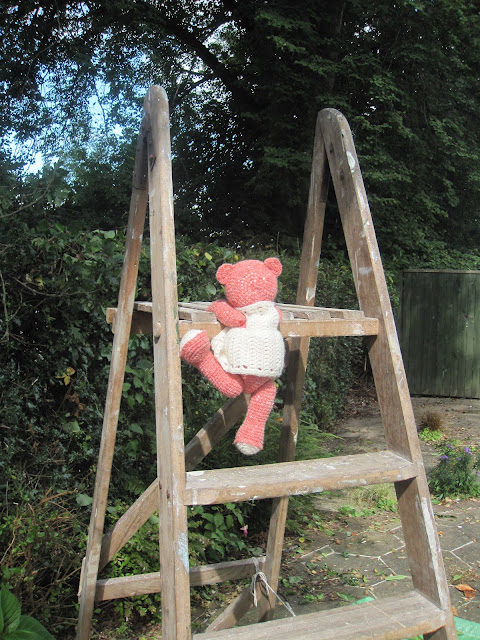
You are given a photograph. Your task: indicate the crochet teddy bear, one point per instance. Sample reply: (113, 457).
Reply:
(248, 354)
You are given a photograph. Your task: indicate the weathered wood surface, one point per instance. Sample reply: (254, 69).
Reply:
(173, 528)
(394, 618)
(419, 528)
(187, 310)
(427, 610)
(301, 323)
(126, 297)
(238, 484)
(127, 586)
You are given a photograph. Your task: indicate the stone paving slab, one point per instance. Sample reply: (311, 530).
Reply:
(366, 556)
(376, 555)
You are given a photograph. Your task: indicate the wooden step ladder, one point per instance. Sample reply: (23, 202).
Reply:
(427, 609)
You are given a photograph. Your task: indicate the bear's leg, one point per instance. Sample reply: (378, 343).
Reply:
(252, 383)
(195, 349)
(249, 438)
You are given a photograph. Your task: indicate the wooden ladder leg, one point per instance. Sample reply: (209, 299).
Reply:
(297, 361)
(173, 531)
(128, 282)
(426, 562)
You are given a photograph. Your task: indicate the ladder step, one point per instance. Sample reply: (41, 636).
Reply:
(394, 618)
(238, 484)
(297, 321)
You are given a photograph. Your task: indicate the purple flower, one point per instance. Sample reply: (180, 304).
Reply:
(449, 446)
(467, 450)
(444, 457)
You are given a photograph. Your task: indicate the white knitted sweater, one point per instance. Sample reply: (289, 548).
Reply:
(257, 349)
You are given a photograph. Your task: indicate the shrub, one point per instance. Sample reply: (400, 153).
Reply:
(43, 540)
(455, 473)
(55, 284)
(13, 625)
(433, 421)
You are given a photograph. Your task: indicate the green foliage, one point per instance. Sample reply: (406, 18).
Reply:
(403, 73)
(217, 532)
(43, 537)
(431, 435)
(56, 283)
(54, 341)
(368, 500)
(139, 555)
(455, 474)
(13, 625)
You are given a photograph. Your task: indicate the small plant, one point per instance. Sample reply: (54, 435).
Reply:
(349, 512)
(217, 533)
(371, 498)
(455, 473)
(433, 436)
(308, 598)
(433, 421)
(291, 584)
(14, 625)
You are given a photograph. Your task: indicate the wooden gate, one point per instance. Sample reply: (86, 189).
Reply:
(439, 326)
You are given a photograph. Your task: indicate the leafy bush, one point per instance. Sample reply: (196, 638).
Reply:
(43, 538)
(429, 435)
(455, 473)
(13, 625)
(55, 284)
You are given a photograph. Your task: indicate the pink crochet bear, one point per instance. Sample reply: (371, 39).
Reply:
(248, 354)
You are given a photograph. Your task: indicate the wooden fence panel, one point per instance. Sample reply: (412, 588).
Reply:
(439, 327)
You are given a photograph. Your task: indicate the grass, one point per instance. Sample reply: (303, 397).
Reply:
(371, 498)
(433, 421)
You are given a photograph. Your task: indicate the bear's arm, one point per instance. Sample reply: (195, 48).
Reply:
(226, 314)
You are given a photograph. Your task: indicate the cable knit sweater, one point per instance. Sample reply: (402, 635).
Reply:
(257, 349)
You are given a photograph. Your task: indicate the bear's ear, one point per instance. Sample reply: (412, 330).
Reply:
(223, 272)
(274, 265)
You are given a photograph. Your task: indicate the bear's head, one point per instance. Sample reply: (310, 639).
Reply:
(250, 281)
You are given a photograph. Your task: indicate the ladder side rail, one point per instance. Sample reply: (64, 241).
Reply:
(297, 359)
(173, 531)
(418, 522)
(370, 283)
(135, 227)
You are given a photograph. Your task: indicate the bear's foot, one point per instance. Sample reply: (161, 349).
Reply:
(247, 449)
(249, 438)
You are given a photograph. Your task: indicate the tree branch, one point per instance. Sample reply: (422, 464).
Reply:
(193, 40)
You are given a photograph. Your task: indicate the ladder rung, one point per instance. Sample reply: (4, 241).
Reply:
(143, 583)
(238, 484)
(394, 618)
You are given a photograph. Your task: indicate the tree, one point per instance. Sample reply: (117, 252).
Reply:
(245, 81)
